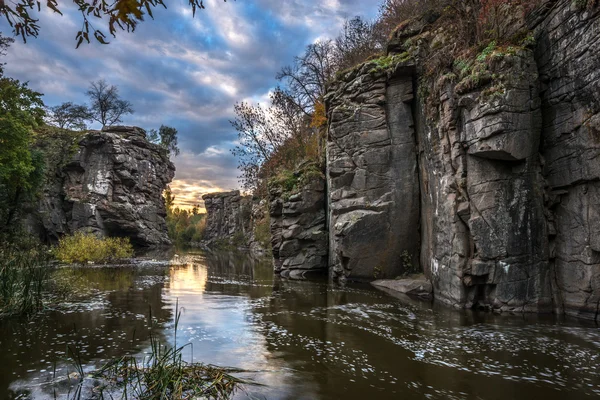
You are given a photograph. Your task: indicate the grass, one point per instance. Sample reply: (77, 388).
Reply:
(24, 275)
(163, 374)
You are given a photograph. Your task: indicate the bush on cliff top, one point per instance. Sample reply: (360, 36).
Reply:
(83, 247)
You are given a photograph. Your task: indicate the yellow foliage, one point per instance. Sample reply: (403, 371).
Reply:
(85, 247)
(319, 117)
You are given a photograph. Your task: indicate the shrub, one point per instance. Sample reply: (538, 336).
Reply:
(86, 247)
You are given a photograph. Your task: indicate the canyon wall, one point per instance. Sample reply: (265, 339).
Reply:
(508, 167)
(484, 175)
(568, 60)
(372, 176)
(298, 225)
(111, 183)
(228, 217)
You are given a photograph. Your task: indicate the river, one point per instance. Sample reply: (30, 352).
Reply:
(302, 340)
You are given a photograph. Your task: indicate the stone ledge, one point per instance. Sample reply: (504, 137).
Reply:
(415, 285)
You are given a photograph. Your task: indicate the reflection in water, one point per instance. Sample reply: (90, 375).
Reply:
(304, 340)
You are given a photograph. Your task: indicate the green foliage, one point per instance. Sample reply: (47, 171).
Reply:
(165, 137)
(21, 110)
(385, 63)
(86, 247)
(57, 147)
(285, 179)
(185, 227)
(489, 49)
(24, 274)
(291, 182)
(262, 231)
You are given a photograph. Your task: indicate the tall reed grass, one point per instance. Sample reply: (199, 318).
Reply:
(24, 275)
(163, 374)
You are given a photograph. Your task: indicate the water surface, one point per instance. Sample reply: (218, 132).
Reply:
(302, 340)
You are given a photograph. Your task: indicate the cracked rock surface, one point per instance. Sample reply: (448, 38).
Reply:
(113, 185)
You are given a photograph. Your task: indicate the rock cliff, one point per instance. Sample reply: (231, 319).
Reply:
(112, 185)
(228, 217)
(495, 168)
(298, 229)
(372, 177)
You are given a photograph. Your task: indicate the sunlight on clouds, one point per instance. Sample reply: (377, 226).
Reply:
(184, 72)
(197, 174)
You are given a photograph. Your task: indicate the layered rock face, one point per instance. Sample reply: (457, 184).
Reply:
(506, 199)
(484, 228)
(113, 186)
(568, 58)
(372, 176)
(227, 216)
(298, 231)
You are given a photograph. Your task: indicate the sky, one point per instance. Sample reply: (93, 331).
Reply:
(183, 71)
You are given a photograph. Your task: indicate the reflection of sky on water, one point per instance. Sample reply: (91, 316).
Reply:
(306, 340)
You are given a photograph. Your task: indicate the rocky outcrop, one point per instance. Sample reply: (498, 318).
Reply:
(372, 176)
(228, 217)
(298, 230)
(494, 165)
(112, 185)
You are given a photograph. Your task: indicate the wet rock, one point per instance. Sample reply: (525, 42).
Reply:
(507, 196)
(568, 55)
(484, 228)
(416, 285)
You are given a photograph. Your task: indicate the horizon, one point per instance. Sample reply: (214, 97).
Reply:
(183, 71)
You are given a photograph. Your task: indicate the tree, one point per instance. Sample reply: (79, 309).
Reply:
(271, 137)
(5, 42)
(106, 106)
(307, 77)
(68, 116)
(169, 199)
(21, 109)
(357, 42)
(119, 14)
(165, 137)
(259, 136)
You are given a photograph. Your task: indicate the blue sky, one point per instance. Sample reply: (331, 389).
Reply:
(184, 72)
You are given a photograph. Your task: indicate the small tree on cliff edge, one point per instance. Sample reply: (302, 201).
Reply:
(166, 137)
(107, 107)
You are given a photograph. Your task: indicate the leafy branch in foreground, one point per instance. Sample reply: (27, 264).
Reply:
(122, 15)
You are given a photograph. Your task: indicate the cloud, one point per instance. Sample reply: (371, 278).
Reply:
(184, 72)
